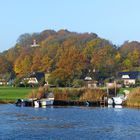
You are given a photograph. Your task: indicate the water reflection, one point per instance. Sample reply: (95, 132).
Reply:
(115, 106)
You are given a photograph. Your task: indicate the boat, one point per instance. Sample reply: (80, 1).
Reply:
(36, 103)
(47, 101)
(115, 101)
(24, 102)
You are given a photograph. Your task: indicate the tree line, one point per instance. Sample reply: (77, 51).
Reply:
(68, 56)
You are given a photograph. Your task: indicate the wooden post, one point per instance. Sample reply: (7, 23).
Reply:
(115, 88)
(107, 90)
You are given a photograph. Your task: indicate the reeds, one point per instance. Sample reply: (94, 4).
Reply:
(67, 94)
(93, 95)
(134, 98)
(39, 94)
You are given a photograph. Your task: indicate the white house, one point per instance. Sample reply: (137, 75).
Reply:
(129, 77)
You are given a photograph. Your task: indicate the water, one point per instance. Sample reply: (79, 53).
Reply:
(68, 123)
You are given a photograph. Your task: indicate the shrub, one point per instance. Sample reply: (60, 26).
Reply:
(113, 91)
(137, 83)
(77, 83)
(17, 82)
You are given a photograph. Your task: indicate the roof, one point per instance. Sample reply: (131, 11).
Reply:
(88, 78)
(129, 75)
(38, 75)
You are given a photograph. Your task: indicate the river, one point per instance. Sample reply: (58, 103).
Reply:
(68, 123)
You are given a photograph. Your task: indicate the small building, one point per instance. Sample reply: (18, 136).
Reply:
(89, 82)
(35, 78)
(130, 77)
(3, 81)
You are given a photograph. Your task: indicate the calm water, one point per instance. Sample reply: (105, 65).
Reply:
(68, 123)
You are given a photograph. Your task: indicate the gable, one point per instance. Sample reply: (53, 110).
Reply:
(125, 77)
(32, 80)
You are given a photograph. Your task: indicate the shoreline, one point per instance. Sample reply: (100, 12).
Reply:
(74, 103)
(63, 103)
(7, 101)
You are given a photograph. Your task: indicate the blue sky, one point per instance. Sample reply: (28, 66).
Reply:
(115, 20)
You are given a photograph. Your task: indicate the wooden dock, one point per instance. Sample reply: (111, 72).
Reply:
(102, 103)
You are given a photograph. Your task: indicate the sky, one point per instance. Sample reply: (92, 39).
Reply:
(115, 20)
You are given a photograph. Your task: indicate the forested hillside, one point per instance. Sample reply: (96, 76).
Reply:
(68, 56)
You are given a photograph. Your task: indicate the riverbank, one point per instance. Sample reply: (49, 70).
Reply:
(66, 96)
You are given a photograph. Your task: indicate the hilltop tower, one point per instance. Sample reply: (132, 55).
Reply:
(35, 44)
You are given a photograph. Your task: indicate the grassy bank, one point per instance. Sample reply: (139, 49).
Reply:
(10, 94)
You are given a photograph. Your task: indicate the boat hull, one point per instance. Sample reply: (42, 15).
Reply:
(35, 103)
(46, 102)
(115, 101)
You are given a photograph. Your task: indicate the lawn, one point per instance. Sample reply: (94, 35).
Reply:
(121, 91)
(12, 93)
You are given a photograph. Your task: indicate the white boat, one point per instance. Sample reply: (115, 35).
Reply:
(115, 101)
(47, 101)
(110, 101)
(36, 103)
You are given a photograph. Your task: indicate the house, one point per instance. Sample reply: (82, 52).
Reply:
(89, 82)
(35, 78)
(129, 77)
(3, 81)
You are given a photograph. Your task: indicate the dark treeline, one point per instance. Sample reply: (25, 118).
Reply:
(68, 56)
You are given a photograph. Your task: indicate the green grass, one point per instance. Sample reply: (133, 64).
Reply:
(12, 93)
(121, 91)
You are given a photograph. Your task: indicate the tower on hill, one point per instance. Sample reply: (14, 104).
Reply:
(35, 44)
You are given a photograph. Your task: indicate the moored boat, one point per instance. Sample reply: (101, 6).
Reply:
(47, 101)
(35, 102)
(115, 101)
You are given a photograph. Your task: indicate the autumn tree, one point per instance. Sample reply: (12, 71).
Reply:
(46, 63)
(36, 63)
(23, 63)
(5, 66)
(103, 60)
(70, 65)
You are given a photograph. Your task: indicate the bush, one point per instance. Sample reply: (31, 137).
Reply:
(17, 82)
(137, 83)
(55, 82)
(113, 91)
(77, 83)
